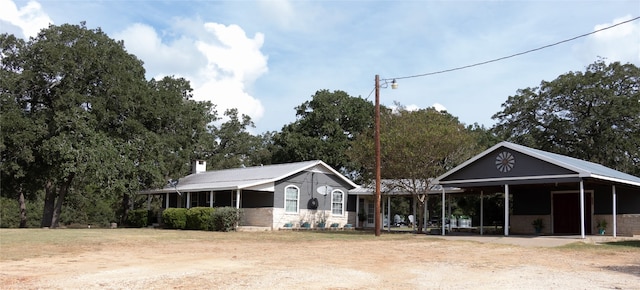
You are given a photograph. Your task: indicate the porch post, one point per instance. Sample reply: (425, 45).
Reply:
(149, 202)
(449, 212)
(442, 220)
(425, 212)
(238, 198)
(506, 210)
(188, 205)
(389, 213)
(211, 198)
(357, 223)
(481, 212)
(166, 200)
(582, 229)
(615, 207)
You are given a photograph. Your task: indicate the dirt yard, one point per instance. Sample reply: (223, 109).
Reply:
(163, 259)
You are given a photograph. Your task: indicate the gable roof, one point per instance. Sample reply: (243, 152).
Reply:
(576, 168)
(255, 177)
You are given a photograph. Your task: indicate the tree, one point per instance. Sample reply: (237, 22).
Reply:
(594, 116)
(416, 146)
(17, 130)
(78, 87)
(237, 147)
(98, 131)
(324, 130)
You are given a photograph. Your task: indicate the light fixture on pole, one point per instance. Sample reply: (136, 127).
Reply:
(378, 213)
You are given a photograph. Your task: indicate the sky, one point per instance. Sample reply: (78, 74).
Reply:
(267, 57)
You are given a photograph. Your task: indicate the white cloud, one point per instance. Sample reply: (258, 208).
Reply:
(621, 43)
(439, 107)
(29, 19)
(220, 61)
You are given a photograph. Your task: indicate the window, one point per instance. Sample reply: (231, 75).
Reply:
(337, 202)
(291, 196)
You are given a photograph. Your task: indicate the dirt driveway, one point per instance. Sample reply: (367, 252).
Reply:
(162, 259)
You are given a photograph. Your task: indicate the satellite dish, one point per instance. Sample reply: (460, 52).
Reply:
(324, 190)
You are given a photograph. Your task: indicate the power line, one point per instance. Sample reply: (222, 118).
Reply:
(513, 55)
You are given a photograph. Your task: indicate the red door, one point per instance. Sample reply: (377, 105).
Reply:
(566, 213)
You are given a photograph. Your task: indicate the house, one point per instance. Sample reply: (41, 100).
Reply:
(569, 195)
(270, 195)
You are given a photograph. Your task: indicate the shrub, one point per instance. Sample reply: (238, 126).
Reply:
(200, 218)
(137, 218)
(9, 213)
(175, 218)
(225, 218)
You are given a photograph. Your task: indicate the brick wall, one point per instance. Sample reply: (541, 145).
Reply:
(627, 224)
(521, 224)
(312, 216)
(257, 217)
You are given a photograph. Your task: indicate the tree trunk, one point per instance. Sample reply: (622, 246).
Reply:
(23, 209)
(64, 188)
(422, 200)
(125, 208)
(49, 199)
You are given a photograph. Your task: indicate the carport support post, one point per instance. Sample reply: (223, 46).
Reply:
(442, 220)
(481, 212)
(582, 234)
(615, 206)
(506, 210)
(388, 213)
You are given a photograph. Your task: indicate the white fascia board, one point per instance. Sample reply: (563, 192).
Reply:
(612, 179)
(511, 178)
(262, 186)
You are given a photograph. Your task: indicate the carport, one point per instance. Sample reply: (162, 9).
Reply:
(569, 195)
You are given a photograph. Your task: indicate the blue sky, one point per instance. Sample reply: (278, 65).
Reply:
(266, 57)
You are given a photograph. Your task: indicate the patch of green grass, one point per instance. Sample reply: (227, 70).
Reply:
(628, 243)
(613, 247)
